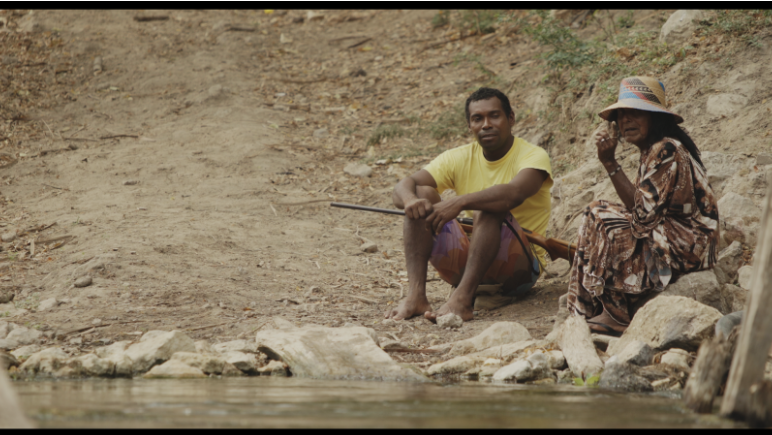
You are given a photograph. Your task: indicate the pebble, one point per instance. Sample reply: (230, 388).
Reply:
(320, 133)
(83, 281)
(358, 170)
(8, 237)
(369, 247)
(130, 182)
(96, 322)
(450, 320)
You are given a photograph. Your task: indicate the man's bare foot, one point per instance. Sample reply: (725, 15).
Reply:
(603, 323)
(452, 306)
(409, 307)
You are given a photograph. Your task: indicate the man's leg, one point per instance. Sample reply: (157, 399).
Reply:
(418, 243)
(482, 251)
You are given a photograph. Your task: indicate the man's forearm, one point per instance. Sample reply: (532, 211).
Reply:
(404, 191)
(495, 199)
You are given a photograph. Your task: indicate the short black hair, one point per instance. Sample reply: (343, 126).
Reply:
(484, 94)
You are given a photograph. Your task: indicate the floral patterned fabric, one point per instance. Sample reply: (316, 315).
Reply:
(624, 256)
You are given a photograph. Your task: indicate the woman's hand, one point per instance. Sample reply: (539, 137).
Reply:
(606, 141)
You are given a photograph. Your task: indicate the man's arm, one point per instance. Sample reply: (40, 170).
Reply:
(404, 195)
(495, 199)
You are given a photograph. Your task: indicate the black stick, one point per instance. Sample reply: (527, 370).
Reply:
(465, 221)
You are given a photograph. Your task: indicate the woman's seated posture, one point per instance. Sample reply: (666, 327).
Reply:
(667, 225)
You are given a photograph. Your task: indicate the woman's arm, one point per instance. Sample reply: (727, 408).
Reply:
(607, 145)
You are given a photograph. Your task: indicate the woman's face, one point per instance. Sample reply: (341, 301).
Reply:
(634, 125)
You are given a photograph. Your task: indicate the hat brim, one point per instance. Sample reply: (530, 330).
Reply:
(636, 104)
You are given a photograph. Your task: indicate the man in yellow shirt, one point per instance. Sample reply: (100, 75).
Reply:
(503, 182)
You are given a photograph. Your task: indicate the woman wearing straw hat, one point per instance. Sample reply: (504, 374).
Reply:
(667, 225)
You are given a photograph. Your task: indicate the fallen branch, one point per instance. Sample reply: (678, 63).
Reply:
(54, 187)
(360, 298)
(301, 81)
(209, 326)
(240, 29)
(345, 37)
(358, 43)
(146, 18)
(54, 239)
(80, 139)
(119, 135)
(86, 328)
(413, 350)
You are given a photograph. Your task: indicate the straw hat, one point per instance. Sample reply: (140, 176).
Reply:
(642, 93)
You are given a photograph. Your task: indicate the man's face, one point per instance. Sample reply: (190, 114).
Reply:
(490, 124)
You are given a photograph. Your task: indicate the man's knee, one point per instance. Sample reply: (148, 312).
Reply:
(428, 192)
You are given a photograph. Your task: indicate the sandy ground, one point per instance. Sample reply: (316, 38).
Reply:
(190, 144)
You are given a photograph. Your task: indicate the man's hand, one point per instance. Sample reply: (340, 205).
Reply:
(418, 208)
(443, 213)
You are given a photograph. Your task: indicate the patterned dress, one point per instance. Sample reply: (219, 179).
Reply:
(624, 257)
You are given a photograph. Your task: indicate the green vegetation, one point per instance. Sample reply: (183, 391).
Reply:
(30, 303)
(592, 381)
(385, 131)
(744, 25)
(479, 21)
(442, 18)
(450, 124)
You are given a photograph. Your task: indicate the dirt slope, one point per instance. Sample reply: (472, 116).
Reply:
(228, 117)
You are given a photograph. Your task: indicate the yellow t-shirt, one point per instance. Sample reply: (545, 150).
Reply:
(465, 170)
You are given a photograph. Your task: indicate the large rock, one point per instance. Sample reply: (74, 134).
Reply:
(116, 353)
(47, 304)
(701, 286)
(669, 321)
(92, 365)
(25, 352)
(497, 334)
(680, 26)
(207, 363)
(246, 362)
(623, 376)
(47, 361)
(739, 218)
(156, 347)
(236, 345)
(20, 336)
(468, 363)
(637, 353)
(745, 277)
(450, 320)
(5, 328)
(578, 348)
(175, 369)
(677, 358)
(520, 370)
(333, 353)
(729, 261)
(733, 298)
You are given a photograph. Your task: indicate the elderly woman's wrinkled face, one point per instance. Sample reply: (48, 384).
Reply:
(634, 125)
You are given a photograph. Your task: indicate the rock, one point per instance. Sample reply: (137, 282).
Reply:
(175, 369)
(6, 295)
(602, 341)
(738, 213)
(450, 320)
(96, 322)
(763, 159)
(733, 298)
(281, 323)
(726, 105)
(9, 236)
(20, 336)
(637, 353)
(729, 261)
(47, 361)
(745, 276)
(369, 247)
(215, 91)
(540, 363)
(208, 363)
(156, 347)
(7, 361)
(25, 351)
(83, 281)
(229, 370)
(623, 376)
(29, 23)
(47, 304)
(497, 334)
(274, 368)
(117, 348)
(558, 267)
(236, 345)
(701, 286)
(520, 370)
(203, 346)
(92, 365)
(358, 170)
(459, 364)
(11, 412)
(669, 321)
(556, 360)
(322, 132)
(5, 328)
(680, 26)
(10, 310)
(577, 347)
(677, 358)
(565, 377)
(489, 367)
(332, 353)
(246, 362)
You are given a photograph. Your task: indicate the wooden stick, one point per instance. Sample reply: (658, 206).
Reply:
(146, 18)
(208, 326)
(54, 187)
(756, 331)
(359, 43)
(709, 372)
(119, 135)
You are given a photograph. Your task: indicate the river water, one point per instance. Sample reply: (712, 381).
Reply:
(296, 402)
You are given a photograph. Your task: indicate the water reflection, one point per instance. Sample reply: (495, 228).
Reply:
(294, 402)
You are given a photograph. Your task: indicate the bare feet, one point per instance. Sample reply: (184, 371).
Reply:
(597, 323)
(409, 307)
(452, 306)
